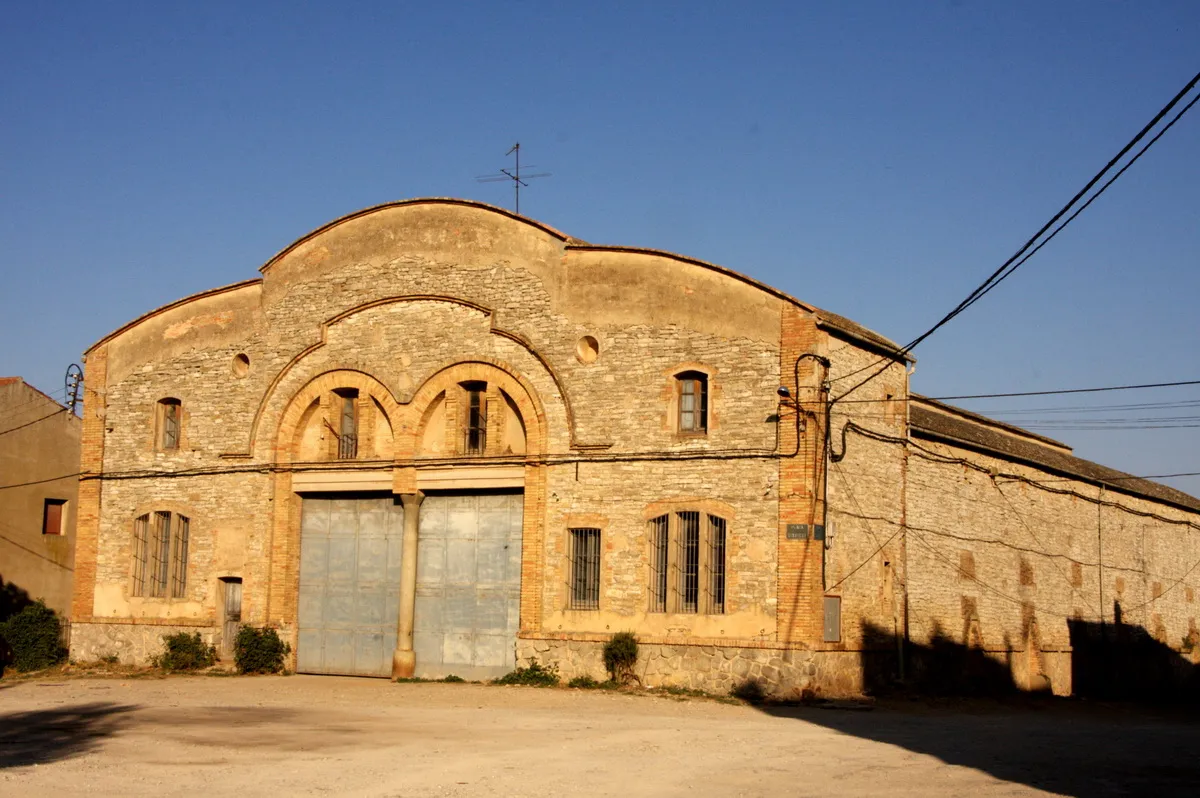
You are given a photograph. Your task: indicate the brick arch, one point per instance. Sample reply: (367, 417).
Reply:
(491, 371)
(289, 422)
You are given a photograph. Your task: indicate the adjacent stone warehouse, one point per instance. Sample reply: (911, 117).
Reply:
(435, 437)
(39, 461)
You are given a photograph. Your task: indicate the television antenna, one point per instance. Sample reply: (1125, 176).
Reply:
(518, 179)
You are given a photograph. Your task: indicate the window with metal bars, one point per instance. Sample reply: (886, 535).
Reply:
(660, 541)
(693, 402)
(475, 429)
(347, 429)
(585, 569)
(170, 423)
(687, 563)
(160, 555)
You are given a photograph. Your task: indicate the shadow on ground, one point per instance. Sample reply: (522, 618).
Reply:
(48, 735)
(1079, 751)
(1131, 728)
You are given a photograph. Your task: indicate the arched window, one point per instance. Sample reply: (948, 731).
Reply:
(169, 424)
(687, 563)
(160, 555)
(692, 390)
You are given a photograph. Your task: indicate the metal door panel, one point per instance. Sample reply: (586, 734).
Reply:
(350, 553)
(468, 585)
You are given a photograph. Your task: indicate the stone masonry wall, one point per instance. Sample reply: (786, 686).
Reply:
(785, 674)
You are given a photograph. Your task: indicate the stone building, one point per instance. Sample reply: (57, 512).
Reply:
(435, 437)
(39, 465)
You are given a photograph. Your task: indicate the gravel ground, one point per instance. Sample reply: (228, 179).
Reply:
(313, 735)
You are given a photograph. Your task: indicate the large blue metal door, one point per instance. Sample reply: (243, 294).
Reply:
(468, 585)
(350, 552)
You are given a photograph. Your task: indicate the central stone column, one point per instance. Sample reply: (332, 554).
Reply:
(404, 661)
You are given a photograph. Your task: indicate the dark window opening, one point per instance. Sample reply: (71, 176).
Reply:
(476, 427)
(693, 402)
(659, 543)
(160, 555)
(52, 516)
(347, 427)
(687, 563)
(170, 412)
(585, 569)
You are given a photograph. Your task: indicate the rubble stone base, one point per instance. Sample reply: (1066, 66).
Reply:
(783, 673)
(131, 644)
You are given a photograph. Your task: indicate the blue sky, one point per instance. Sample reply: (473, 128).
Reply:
(875, 159)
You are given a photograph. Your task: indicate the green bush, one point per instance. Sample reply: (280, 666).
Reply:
(185, 652)
(620, 655)
(584, 683)
(452, 679)
(535, 675)
(259, 650)
(35, 637)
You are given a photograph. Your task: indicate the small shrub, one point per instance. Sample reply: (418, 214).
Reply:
(584, 683)
(259, 650)
(620, 655)
(534, 675)
(185, 652)
(452, 679)
(34, 636)
(110, 659)
(750, 690)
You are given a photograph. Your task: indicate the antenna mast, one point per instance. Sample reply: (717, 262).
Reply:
(518, 180)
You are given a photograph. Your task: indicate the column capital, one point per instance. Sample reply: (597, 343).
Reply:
(412, 501)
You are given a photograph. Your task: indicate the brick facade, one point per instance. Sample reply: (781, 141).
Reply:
(580, 347)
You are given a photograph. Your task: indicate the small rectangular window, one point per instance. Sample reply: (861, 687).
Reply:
(585, 569)
(170, 423)
(53, 511)
(659, 543)
(693, 403)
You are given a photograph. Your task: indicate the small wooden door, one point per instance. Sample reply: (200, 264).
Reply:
(233, 614)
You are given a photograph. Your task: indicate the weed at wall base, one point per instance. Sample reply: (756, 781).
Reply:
(259, 650)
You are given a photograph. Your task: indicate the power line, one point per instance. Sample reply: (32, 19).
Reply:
(1071, 390)
(35, 421)
(1016, 260)
(1017, 394)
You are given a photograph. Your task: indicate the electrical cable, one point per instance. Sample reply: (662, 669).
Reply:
(1016, 260)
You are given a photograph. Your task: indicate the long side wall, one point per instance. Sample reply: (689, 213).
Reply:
(1004, 565)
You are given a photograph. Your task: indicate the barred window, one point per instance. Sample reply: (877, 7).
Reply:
(687, 563)
(475, 428)
(585, 569)
(346, 431)
(170, 423)
(160, 555)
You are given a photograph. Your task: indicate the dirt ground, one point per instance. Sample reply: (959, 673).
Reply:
(313, 735)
